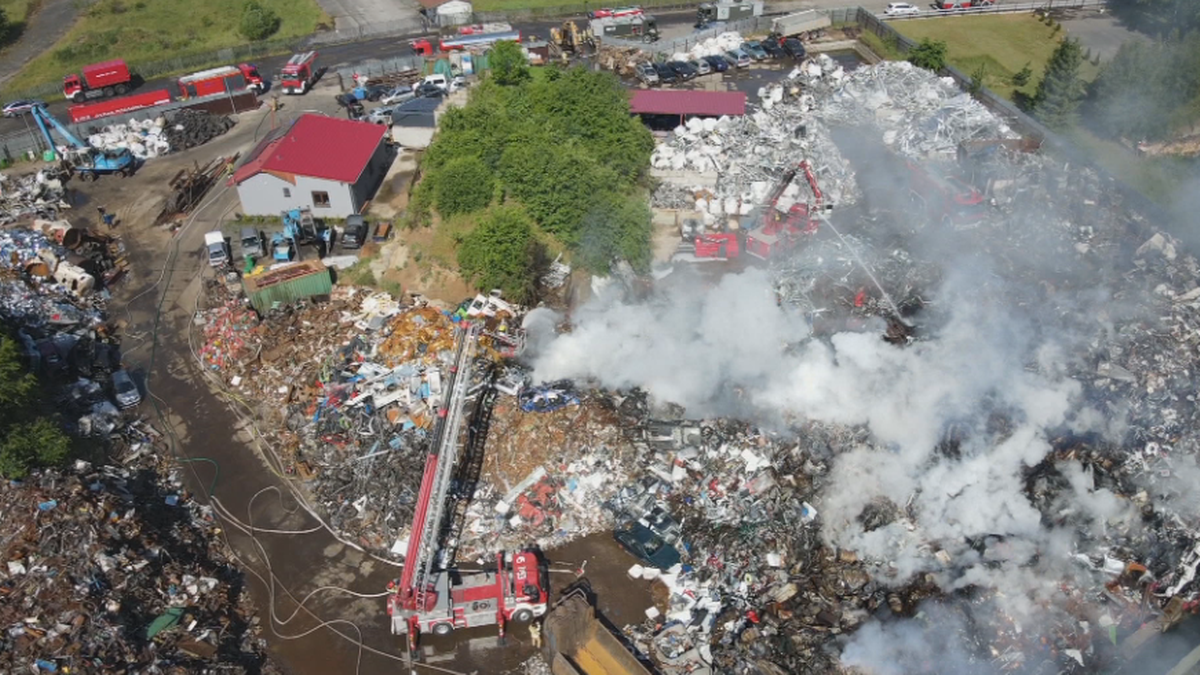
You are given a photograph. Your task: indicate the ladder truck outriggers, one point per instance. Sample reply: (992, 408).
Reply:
(430, 597)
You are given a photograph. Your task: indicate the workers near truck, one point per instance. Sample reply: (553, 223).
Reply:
(710, 13)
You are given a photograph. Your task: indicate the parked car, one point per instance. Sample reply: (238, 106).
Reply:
(375, 92)
(124, 390)
(901, 9)
(717, 62)
(666, 74)
(701, 66)
(794, 48)
(773, 48)
(646, 73)
(437, 79)
(952, 5)
(381, 116)
(398, 95)
(22, 107)
(253, 243)
(982, 3)
(354, 234)
(755, 50)
(429, 90)
(738, 57)
(683, 69)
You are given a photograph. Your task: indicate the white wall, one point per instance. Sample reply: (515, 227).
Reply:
(264, 195)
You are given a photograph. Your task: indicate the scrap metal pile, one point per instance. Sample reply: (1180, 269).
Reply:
(36, 195)
(153, 137)
(346, 391)
(111, 566)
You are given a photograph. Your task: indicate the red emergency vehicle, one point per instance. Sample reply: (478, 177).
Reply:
(787, 218)
(299, 73)
(221, 80)
(100, 80)
(606, 12)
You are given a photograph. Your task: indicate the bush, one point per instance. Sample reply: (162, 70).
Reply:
(465, 184)
(258, 22)
(500, 253)
(1022, 76)
(977, 79)
(929, 54)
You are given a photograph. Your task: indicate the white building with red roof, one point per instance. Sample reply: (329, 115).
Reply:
(328, 164)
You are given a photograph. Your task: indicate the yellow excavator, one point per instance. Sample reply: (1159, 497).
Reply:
(571, 39)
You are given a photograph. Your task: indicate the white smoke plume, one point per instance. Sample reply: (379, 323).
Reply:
(730, 350)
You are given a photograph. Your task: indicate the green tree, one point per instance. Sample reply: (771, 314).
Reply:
(1061, 90)
(929, 54)
(465, 184)
(30, 444)
(27, 439)
(500, 253)
(1022, 76)
(258, 22)
(617, 227)
(509, 65)
(1139, 89)
(8, 31)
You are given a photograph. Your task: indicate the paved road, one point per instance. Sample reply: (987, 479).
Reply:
(354, 15)
(50, 22)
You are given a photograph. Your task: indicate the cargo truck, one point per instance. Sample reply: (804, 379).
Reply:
(643, 27)
(799, 22)
(713, 12)
(221, 80)
(98, 80)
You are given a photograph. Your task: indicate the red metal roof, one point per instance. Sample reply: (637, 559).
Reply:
(319, 147)
(683, 102)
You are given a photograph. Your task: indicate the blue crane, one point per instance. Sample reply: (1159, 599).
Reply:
(90, 163)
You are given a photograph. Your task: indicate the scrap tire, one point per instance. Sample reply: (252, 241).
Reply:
(108, 92)
(522, 616)
(443, 629)
(87, 176)
(121, 89)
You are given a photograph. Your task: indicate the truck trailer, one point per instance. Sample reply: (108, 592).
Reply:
(800, 22)
(92, 111)
(221, 80)
(98, 80)
(713, 12)
(643, 27)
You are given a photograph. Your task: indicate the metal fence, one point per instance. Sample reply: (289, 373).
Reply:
(416, 26)
(1004, 8)
(379, 67)
(580, 9)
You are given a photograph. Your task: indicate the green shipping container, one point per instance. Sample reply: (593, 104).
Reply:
(286, 285)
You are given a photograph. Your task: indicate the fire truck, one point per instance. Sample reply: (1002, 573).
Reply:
(99, 80)
(429, 597)
(299, 73)
(788, 217)
(424, 47)
(480, 28)
(221, 81)
(605, 12)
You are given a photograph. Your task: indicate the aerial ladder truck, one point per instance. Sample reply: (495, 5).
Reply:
(428, 597)
(787, 218)
(85, 161)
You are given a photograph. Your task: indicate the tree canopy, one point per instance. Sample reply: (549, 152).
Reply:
(258, 22)
(563, 146)
(509, 65)
(28, 438)
(463, 185)
(1147, 89)
(1061, 90)
(500, 252)
(929, 54)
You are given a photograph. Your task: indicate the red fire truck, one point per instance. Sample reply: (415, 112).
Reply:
(221, 80)
(605, 12)
(87, 112)
(299, 73)
(425, 598)
(109, 78)
(424, 47)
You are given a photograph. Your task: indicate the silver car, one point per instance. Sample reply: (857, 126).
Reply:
(124, 390)
(380, 116)
(646, 73)
(398, 95)
(739, 57)
(701, 66)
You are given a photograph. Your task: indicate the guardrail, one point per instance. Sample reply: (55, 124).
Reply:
(1001, 7)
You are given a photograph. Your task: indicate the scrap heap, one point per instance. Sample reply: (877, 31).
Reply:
(36, 195)
(109, 566)
(154, 137)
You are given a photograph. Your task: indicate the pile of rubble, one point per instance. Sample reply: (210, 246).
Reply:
(36, 195)
(154, 137)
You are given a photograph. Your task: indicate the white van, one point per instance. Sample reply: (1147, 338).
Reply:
(216, 248)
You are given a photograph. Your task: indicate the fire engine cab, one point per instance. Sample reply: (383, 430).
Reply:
(516, 590)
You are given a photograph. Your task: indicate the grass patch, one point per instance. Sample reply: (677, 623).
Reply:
(1004, 43)
(142, 31)
(884, 49)
(18, 10)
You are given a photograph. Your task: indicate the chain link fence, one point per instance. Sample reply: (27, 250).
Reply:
(580, 9)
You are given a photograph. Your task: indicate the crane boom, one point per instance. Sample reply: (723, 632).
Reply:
(435, 481)
(43, 117)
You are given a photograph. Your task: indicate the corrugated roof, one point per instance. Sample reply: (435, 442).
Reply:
(319, 147)
(683, 102)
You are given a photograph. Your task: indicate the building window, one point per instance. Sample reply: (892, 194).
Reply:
(320, 199)
(287, 193)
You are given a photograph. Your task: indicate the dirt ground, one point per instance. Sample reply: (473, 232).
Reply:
(217, 447)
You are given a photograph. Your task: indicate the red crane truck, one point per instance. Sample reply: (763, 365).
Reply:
(220, 81)
(426, 599)
(787, 220)
(99, 80)
(299, 73)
